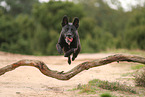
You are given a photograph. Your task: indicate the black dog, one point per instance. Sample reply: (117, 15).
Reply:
(69, 41)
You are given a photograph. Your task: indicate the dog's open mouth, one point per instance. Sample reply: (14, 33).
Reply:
(68, 40)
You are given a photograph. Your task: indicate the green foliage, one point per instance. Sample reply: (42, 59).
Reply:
(50, 14)
(30, 27)
(135, 36)
(15, 7)
(37, 33)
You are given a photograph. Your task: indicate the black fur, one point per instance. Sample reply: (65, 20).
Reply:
(69, 41)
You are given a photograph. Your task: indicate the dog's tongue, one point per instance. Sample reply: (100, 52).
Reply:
(70, 39)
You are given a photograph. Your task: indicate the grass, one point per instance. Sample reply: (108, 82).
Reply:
(128, 74)
(113, 86)
(85, 89)
(106, 95)
(88, 89)
(93, 86)
(139, 66)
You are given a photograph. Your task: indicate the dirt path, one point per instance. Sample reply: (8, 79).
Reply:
(29, 82)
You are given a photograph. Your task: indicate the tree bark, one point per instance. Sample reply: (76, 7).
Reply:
(79, 68)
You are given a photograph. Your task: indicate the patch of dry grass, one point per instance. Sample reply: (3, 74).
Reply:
(113, 86)
(140, 77)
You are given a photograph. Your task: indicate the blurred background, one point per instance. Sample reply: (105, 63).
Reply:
(33, 26)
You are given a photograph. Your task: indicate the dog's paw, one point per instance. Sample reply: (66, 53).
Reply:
(69, 61)
(73, 58)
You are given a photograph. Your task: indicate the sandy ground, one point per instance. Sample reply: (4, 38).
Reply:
(29, 82)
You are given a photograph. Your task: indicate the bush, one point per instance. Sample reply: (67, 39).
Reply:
(140, 77)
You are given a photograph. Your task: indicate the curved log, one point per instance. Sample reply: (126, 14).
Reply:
(67, 75)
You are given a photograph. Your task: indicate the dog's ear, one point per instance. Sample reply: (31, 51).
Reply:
(76, 22)
(64, 21)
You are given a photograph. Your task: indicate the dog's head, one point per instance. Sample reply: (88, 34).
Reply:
(69, 29)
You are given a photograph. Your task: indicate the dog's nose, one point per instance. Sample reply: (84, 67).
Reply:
(69, 35)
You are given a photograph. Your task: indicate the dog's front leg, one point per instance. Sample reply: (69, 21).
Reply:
(59, 49)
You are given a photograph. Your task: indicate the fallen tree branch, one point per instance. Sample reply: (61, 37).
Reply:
(67, 75)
